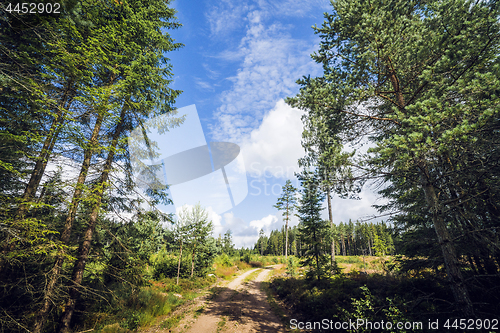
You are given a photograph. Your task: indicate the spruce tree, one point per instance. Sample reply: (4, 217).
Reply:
(313, 229)
(420, 80)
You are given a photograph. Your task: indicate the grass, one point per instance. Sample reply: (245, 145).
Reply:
(221, 323)
(130, 309)
(225, 273)
(172, 321)
(354, 264)
(380, 295)
(252, 276)
(199, 311)
(275, 307)
(227, 267)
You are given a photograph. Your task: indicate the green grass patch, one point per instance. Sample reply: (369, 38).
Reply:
(172, 321)
(252, 276)
(130, 308)
(374, 297)
(348, 259)
(221, 323)
(199, 311)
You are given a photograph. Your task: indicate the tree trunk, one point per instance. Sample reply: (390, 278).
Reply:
(349, 252)
(369, 244)
(451, 263)
(84, 250)
(68, 225)
(41, 163)
(192, 260)
(316, 254)
(179, 265)
(286, 235)
(48, 147)
(330, 216)
(343, 244)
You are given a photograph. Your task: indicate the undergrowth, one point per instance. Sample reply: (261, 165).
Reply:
(130, 308)
(383, 296)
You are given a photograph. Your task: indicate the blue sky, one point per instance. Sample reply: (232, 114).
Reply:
(239, 62)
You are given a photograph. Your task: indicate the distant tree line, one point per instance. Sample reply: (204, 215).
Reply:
(351, 239)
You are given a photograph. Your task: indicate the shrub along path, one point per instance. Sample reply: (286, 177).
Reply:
(238, 306)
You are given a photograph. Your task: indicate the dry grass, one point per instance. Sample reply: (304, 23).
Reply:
(225, 272)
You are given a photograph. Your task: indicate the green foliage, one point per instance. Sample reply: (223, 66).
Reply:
(312, 228)
(171, 321)
(165, 265)
(369, 297)
(366, 307)
(72, 87)
(129, 308)
(247, 257)
(286, 202)
(223, 260)
(128, 247)
(292, 265)
(429, 106)
(227, 243)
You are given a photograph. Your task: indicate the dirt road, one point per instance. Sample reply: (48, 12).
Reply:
(239, 306)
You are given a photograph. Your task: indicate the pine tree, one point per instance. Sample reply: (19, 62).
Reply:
(312, 228)
(286, 203)
(430, 115)
(227, 243)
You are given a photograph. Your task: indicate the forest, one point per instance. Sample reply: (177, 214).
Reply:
(417, 82)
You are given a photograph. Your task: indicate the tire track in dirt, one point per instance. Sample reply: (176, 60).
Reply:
(238, 307)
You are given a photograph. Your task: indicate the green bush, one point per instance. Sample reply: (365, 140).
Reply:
(131, 321)
(223, 260)
(293, 264)
(247, 257)
(165, 266)
(367, 305)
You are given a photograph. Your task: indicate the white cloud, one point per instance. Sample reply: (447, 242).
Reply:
(274, 147)
(243, 235)
(203, 85)
(299, 7)
(212, 74)
(246, 235)
(226, 16)
(271, 62)
(264, 223)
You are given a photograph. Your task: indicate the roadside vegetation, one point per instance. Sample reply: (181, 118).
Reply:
(388, 292)
(84, 245)
(128, 308)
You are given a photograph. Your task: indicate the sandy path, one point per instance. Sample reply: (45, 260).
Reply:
(239, 307)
